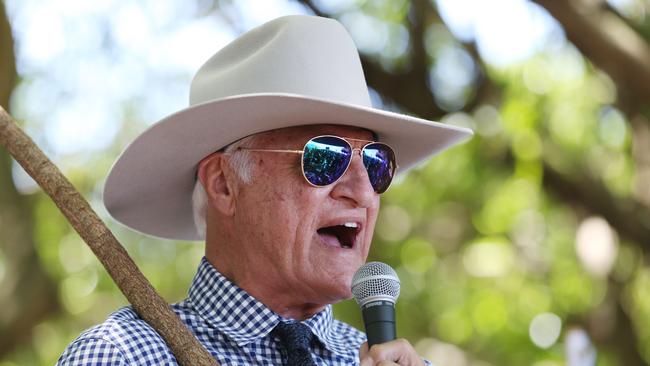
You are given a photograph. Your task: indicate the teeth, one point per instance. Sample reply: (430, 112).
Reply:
(351, 224)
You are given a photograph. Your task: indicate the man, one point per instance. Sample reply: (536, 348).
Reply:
(277, 164)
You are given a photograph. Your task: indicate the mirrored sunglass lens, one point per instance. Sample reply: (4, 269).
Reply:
(325, 159)
(379, 160)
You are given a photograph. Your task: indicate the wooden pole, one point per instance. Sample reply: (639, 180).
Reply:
(149, 305)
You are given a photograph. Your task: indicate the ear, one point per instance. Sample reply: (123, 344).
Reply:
(218, 183)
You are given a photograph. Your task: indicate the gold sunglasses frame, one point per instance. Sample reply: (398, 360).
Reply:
(347, 140)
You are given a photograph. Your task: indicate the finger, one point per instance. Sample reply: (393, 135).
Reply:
(364, 359)
(363, 350)
(399, 351)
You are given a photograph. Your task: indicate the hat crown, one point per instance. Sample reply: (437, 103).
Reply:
(297, 54)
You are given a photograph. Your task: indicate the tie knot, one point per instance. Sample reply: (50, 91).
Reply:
(293, 336)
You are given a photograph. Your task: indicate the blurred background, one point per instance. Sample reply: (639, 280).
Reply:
(526, 246)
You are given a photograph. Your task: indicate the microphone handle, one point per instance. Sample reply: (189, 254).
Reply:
(379, 319)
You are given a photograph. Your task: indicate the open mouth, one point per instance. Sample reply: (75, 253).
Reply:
(344, 235)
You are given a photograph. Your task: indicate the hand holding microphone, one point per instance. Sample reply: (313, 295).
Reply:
(375, 287)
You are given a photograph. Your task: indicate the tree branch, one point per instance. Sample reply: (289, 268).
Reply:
(630, 218)
(610, 44)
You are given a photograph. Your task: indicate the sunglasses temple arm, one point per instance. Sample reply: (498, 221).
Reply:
(273, 150)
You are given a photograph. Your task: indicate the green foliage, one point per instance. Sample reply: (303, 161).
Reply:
(480, 246)
(480, 243)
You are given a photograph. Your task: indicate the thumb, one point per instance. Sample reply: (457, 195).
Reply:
(363, 355)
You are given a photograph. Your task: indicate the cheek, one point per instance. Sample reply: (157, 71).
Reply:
(373, 214)
(273, 211)
(282, 200)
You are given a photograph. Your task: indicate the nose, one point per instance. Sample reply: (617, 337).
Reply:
(354, 185)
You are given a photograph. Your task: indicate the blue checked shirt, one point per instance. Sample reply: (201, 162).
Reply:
(229, 322)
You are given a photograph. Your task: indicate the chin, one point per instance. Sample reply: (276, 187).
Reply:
(348, 295)
(340, 289)
(334, 281)
(334, 297)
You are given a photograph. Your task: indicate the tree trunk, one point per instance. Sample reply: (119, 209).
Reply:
(27, 294)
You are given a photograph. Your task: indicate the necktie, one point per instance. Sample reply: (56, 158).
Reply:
(295, 339)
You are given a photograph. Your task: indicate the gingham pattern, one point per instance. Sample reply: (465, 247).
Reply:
(230, 323)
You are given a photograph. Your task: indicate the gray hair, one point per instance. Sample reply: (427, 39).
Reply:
(240, 161)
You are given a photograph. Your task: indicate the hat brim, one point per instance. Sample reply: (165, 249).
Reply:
(149, 188)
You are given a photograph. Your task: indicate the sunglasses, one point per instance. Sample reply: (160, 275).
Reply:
(326, 158)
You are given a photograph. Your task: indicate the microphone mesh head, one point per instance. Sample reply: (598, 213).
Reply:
(375, 281)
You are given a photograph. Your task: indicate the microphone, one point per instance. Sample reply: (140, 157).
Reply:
(375, 287)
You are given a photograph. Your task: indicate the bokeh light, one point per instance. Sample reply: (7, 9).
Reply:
(545, 329)
(596, 246)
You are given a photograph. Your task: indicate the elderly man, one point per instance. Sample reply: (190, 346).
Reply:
(277, 165)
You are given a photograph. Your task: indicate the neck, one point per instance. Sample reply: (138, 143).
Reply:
(278, 300)
(294, 311)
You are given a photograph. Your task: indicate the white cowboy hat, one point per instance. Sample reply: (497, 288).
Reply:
(292, 71)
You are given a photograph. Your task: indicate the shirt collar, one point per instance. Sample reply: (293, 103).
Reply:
(321, 325)
(240, 316)
(228, 308)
